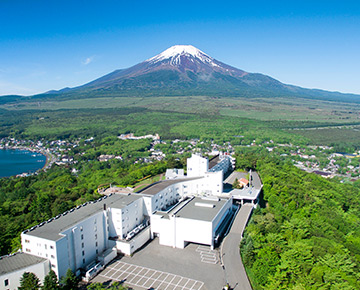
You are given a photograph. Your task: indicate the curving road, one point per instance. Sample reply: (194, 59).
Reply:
(230, 252)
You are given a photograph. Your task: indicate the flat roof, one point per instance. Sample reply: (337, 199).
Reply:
(204, 209)
(51, 230)
(18, 261)
(213, 161)
(156, 187)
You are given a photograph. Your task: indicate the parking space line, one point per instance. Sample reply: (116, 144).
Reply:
(178, 283)
(184, 287)
(150, 278)
(192, 287)
(163, 280)
(170, 283)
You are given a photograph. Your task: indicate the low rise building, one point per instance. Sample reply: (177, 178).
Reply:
(12, 267)
(181, 210)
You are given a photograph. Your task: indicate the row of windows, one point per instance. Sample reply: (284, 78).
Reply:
(39, 244)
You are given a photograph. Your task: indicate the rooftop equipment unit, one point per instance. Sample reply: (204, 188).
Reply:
(208, 205)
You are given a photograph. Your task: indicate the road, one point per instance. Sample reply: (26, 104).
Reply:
(230, 252)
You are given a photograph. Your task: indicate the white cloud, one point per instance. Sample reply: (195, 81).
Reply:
(88, 60)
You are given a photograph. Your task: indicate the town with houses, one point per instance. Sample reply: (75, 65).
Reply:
(321, 160)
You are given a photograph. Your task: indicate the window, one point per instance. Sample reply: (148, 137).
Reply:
(6, 282)
(51, 247)
(28, 250)
(27, 241)
(95, 229)
(83, 261)
(82, 245)
(97, 251)
(95, 221)
(45, 246)
(53, 266)
(82, 236)
(52, 257)
(95, 236)
(83, 253)
(96, 244)
(81, 229)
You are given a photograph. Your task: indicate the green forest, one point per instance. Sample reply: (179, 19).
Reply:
(306, 235)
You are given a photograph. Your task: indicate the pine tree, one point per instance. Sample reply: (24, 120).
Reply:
(29, 281)
(236, 183)
(69, 281)
(50, 281)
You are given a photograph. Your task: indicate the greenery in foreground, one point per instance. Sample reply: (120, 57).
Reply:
(29, 281)
(307, 236)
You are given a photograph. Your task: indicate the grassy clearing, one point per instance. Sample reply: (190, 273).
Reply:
(318, 136)
(143, 183)
(264, 109)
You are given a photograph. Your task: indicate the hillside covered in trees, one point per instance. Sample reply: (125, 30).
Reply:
(306, 235)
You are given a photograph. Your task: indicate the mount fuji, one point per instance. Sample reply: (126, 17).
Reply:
(184, 70)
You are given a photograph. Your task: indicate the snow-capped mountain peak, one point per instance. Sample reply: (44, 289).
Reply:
(175, 53)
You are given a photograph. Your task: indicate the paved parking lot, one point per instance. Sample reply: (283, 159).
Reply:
(162, 267)
(207, 255)
(146, 278)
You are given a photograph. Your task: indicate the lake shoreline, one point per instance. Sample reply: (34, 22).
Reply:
(46, 154)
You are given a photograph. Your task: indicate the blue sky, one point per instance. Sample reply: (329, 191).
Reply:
(54, 44)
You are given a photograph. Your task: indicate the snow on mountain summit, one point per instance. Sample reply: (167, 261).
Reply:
(176, 52)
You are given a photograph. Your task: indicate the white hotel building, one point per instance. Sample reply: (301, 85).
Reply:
(179, 210)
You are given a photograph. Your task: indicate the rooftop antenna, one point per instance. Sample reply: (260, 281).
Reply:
(250, 178)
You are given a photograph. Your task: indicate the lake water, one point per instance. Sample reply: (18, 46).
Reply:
(13, 162)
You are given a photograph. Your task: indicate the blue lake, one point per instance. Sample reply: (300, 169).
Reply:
(13, 162)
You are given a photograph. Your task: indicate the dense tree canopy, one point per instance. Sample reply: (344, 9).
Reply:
(29, 281)
(307, 235)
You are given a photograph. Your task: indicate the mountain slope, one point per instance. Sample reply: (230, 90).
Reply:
(185, 70)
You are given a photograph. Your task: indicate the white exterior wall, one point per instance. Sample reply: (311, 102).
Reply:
(195, 231)
(212, 183)
(124, 220)
(129, 247)
(164, 228)
(40, 247)
(115, 222)
(197, 166)
(177, 231)
(40, 270)
(163, 198)
(82, 242)
(174, 173)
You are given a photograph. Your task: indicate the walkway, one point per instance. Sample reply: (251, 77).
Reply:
(230, 252)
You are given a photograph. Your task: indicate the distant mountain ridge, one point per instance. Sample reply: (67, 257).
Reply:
(185, 70)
